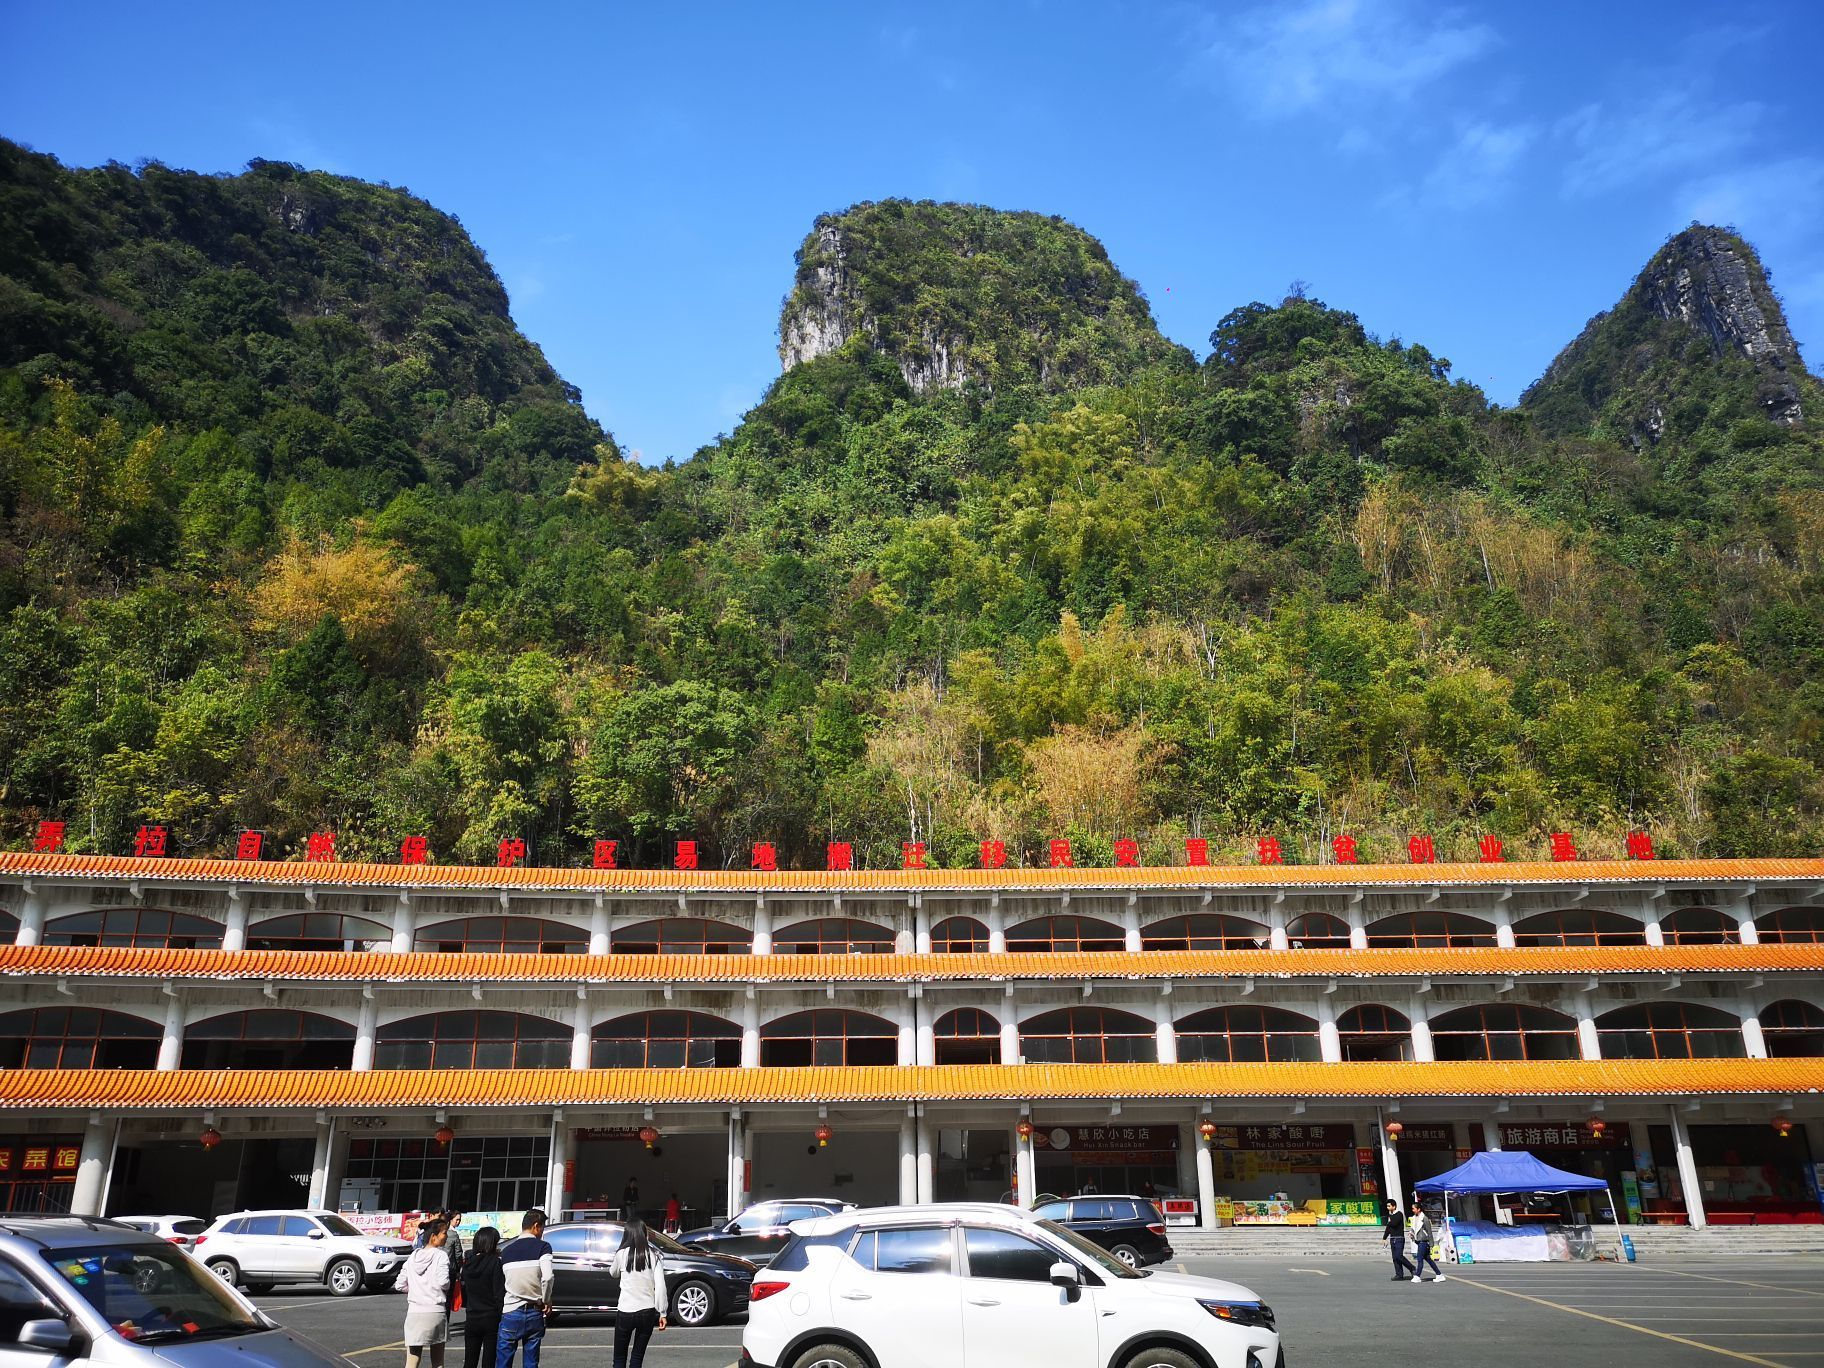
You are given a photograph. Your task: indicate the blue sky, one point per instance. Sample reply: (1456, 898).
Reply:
(1481, 178)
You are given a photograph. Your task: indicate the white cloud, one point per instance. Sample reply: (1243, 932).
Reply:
(1285, 58)
(1778, 199)
(1676, 131)
(1474, 170)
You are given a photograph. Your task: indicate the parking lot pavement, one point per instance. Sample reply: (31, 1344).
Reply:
(1334, 1313)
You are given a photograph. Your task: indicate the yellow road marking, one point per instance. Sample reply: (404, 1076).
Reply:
(1625, 1325)
(1740, 1282)
(375, 1348)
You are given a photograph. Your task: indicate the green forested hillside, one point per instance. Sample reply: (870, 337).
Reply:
(300, 533)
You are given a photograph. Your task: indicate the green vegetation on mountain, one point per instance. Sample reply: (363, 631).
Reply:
(298, 532)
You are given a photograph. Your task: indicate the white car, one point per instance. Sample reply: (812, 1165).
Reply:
(961, 1285)
(180, 1230)
(258, 1249)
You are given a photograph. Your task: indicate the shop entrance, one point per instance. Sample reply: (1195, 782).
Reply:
(1068, 1160)
(693, 1165)
(973, 1165)
(1303, 1174)
(857, 1166)
(180, 1175)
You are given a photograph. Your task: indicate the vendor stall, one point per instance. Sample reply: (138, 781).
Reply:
(1506, 1172)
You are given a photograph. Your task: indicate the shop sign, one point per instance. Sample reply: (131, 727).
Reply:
(1295, 1137)
(1367, 1175)
(607, 1133)
(1416, 1137)
(37, 1159)
(1348, 1211)
(1319, 1211)
(1464, 1156)
(67, 1157)
(1566, 1135)
(1136, 1144)
(1630, 1195)
(6, 1161)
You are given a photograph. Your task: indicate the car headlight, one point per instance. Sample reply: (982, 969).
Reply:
(380, 1249)
(1241, 1312)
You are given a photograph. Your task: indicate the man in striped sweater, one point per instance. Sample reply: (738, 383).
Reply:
(526, 1265)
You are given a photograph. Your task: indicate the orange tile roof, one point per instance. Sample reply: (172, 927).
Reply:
(193, 1090)
(633, 882)
(336, 966)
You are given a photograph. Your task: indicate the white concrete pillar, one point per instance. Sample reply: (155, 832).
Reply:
(908, 1161)
(405, 925)
(1010, 1035)
(1165, 1034)
(926, 1160)
(1130, 928)
(737, 1163)
(234, 927)
(1422, 1049)
(908, 1033)
(580, 1039)
(31, 920)
(366, 1027)
(997, 927)
(1358, 930)
(563, 1154)
(1589, 1040)
(1504, 927)
(750, 1033)
(1491, 1135)
(763, 928)
(1329, 1040)
(321, 1198)
(1743, 911)
(1687, 1168)
(926, 1015)
(1654, 933)
(921, 928)
(92, 1166)
(1027, 1172)
(1277, 939)
(1206, 1179)
(171, 1038)
(1391, 1188)
(1754, 1040)
(601, 929)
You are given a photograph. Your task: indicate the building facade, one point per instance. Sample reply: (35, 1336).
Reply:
(1283, 1044)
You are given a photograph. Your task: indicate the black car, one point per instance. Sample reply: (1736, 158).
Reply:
(702, 1287)
(1130, 1228)
(759, 1232)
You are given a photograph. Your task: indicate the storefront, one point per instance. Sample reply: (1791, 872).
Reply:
(1750, 1174)
(38, 1172)
(1134, 1159)
(157, 1174)
(693, 1165)
(1589, 1148)
(1298, 1174)
(1428, 1149)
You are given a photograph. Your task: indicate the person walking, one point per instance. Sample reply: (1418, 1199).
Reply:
(426, 1281)
(641, 1308)
(630, 1199)
(1423, 1233)
(525, 1269)
(1393, 1230)
(484, 1289)
(451, 1219)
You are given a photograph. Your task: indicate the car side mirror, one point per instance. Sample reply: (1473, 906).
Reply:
(49, 1334)
(317, 1235)
(733, 1227)
(1068, 1277)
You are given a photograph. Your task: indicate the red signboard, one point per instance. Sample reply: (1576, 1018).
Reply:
(1286, 1137)
(1563, 1135)
(1102, 1144)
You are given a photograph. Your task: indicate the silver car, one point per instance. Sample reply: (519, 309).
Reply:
(77, 1290)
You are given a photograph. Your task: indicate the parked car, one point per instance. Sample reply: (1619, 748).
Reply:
(981, 1286)
(84, 1292)
(702, 1287)
(180, 1230)
(1130, 1228)
(259, 1249)
(762, 1230)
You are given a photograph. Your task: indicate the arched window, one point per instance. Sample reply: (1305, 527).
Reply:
(1429, 930)
(1318, 931)
(682, 936)
(318, 931)
(1064, 933)
(1793, 1030)
(146, 927)
(1699, 926)
(828, 1035)
(9, 927)
(1088, 1035)
(1669, 1030)
(269, 1038)
(1246, 1035)
(1203, 931)
(967, 1035)
(1374, 1033)
(1578, 926)
(1503, 1030)
(833, 936)
(959, 936)
(76, 1038)
(503, 936)
(1792, 925)
(666, 1040)
(473, 1040)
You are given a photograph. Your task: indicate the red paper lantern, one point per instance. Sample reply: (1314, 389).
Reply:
(1025, 1130)
(1207, 1129)
(1598, 1126)
(210, 1137)
(1782, 1127)
(648, 1135)
(1395, 1129)
(823, 1136)
(443, 1135)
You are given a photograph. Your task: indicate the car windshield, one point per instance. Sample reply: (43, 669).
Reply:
(666, 1243)
(335, 1225)
(152, 1292)
(1100, 1257)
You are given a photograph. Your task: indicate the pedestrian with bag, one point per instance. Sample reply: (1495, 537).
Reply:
(1423, 1233)
(641, 1308)
(426, 1281)
(526, 1272)
(1393, 1230)
(484, 1291)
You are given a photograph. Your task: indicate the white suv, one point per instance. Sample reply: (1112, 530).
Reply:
(256, 1249)
(961, 1285)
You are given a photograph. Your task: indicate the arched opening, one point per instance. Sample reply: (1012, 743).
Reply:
(1374, 1034)
(318, 931)
(503, 936)
(682, 936)
(967, 1035)
(1247, 1035)
(1204, 931)
(833, 936)
(828, 1036)
(144, 927)
(1698, 926)
(959, 936)
(1088, 1035)
(1792, 926)
(1578, 926)
(9, 927)
(1044, 935)
(473, 1040)
(1317, 931)
(1503, 1030)
(666, 1040)
(1429, 931)
(1669, 1030)
(269, 1038)
(76, 1038)
(1793, 1030)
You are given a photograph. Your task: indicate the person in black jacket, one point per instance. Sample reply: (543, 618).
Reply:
(484, 1289)
(1394, 1232)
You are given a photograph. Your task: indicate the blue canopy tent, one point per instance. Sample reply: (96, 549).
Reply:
(1502, 1171)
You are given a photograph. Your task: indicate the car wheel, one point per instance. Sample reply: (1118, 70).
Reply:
(259, 1289)
(225, 1269)
(829, 1356)
(693, 1303)
(345, 1277)
(1127, 1254)
(1161, 1358)
(146, 1280)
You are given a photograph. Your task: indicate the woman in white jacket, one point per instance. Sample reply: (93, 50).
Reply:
(426, 1281)
(641, 1308)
